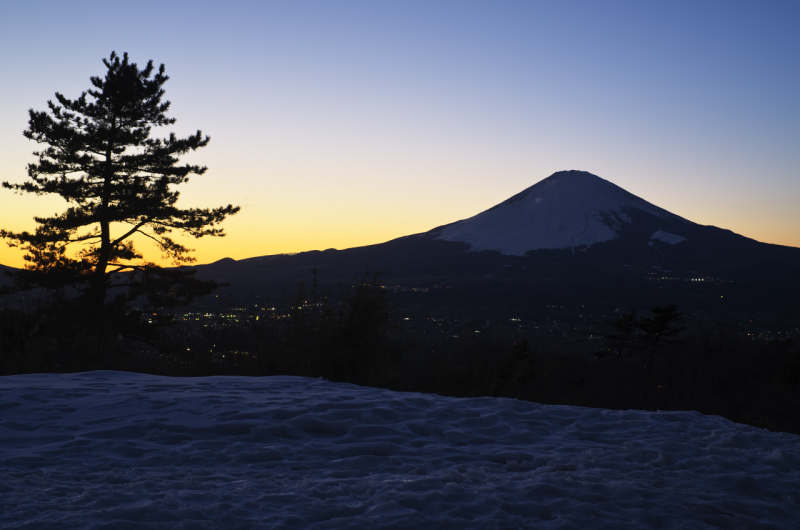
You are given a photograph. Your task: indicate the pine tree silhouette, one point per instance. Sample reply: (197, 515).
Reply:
(100, 158)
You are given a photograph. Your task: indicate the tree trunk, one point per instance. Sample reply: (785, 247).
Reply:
(99, 281)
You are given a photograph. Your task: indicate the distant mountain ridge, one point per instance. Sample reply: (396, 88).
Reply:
(572, 236)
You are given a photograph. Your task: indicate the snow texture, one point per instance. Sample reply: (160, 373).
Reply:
(567, 209)
(666, 237)
(121, 450)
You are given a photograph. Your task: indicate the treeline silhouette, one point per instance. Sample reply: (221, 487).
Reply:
(354, 334)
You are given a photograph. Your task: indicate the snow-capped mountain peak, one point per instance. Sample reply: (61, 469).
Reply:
(567, 209)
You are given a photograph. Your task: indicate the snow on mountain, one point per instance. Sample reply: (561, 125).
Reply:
(666, 237)
(122, 450)
(567, 209)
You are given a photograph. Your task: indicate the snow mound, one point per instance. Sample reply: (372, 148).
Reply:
(666, 237)
(120, 450)
(567, 209)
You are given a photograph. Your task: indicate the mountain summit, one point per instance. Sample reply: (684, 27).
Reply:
(569, 209)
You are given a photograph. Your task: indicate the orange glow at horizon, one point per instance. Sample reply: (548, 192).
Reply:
(361, 221)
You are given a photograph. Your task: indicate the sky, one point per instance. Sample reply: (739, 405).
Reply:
(349, 123)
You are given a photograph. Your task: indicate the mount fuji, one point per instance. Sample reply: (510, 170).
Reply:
(571, 235)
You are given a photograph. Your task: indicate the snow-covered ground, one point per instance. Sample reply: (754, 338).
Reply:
(120, 450)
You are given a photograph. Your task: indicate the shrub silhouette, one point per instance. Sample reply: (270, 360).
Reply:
(656, 332)
(644, 337)
(619, 342)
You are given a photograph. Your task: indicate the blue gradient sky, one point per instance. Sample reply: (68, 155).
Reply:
(338, 124)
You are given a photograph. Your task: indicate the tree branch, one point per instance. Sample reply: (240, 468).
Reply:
(129, 233)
